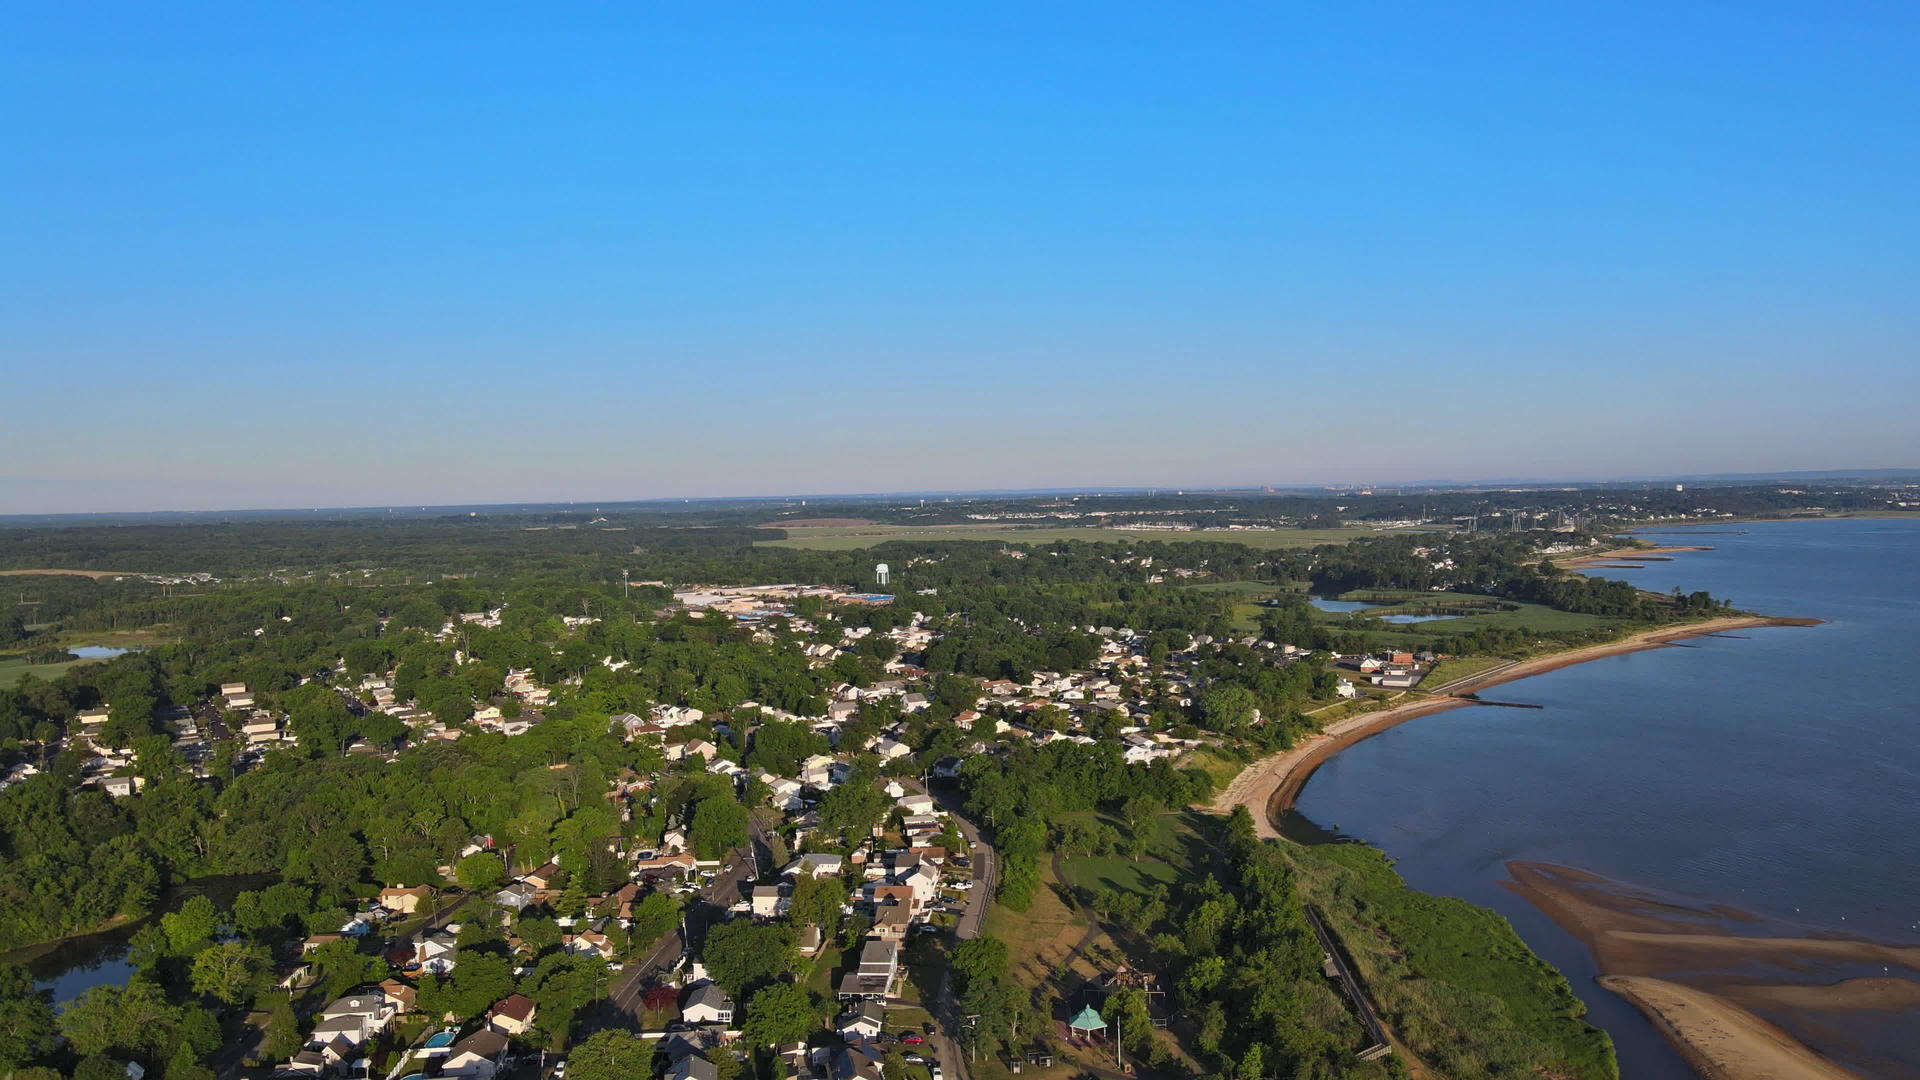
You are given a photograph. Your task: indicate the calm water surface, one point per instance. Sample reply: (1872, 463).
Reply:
(1778, 772)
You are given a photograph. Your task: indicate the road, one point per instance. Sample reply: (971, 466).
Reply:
(986, 875)
(986, 867)
(622, 1006)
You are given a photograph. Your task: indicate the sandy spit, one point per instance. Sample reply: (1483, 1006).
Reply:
(1721, 1040)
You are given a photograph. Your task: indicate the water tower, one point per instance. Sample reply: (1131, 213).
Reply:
(880, 575)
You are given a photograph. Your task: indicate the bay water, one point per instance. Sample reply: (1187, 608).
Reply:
(1775, 771)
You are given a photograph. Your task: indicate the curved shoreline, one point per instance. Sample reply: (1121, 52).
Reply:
(1269, 786)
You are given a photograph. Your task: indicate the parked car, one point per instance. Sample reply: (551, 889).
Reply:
(912, 1038)
(914, 1059)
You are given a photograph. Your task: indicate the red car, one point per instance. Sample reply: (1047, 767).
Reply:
(911, 1039)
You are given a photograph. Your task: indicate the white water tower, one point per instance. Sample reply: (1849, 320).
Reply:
(880, 574)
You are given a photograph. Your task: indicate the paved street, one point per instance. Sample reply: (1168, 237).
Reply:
(622, 1007)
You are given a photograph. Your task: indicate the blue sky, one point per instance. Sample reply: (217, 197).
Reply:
(288, 255)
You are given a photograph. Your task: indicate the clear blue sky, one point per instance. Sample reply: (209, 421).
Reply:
(322, 254)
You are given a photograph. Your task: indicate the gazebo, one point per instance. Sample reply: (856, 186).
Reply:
(1087, 1022)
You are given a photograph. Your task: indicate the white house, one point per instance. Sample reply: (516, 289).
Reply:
(707, 1004)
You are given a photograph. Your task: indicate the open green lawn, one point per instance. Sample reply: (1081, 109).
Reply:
(1176, 851)
(849, 537)
(13, 667)
(1222, 767)
(1458, 667)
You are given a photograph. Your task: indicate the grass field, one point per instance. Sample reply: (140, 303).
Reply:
(1458, 667)
(848, 538)
(12, 668)
(1535, 617)
(1222, 767)
(1177, 850)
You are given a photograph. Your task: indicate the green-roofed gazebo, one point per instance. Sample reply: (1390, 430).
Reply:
(1088, 1021)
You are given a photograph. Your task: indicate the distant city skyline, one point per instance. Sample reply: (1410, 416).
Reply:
(361, 255)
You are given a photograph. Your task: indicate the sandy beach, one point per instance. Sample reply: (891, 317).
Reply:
(1700, 972)
(1271, 784)
(1721, 1040)
(1626, 555)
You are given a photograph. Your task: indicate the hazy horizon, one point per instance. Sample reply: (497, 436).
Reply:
(362, 256)
(1380, 486)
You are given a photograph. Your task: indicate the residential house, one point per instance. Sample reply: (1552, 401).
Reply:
(122, 786)
(400, 994)
(515, 896)
(693, 1067)
(865, 1022)
(544, 876)
(890, 922)
(512, 1015)
(707, 1004)
(478, 1055)
(405, 901)
(769, 901)
(873, 978)
(818, 864)
(590, 943)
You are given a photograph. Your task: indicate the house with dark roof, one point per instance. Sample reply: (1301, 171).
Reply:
(707, 1004)
(477, 1056)
(512, 1015)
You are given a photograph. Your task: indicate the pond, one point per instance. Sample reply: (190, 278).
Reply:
(98, 652)
(72, 966)
(1348, 607)
(1338, 606)
(75, 965)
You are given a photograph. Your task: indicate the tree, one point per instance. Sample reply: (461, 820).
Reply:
(742, 954)
(981, 959)
(229, 971)
(190, 927)
(652, 918)
(719, 826)
(283, 1038)
(133, 1019)
(781, 1013)
(185, 1065)
(1229, 708)
(26, 1018)
(481, 872)
(537, 933)
(563, 985)
(342, 966)
(610, 1055)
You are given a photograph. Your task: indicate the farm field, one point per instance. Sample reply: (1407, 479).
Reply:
(848, 538)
